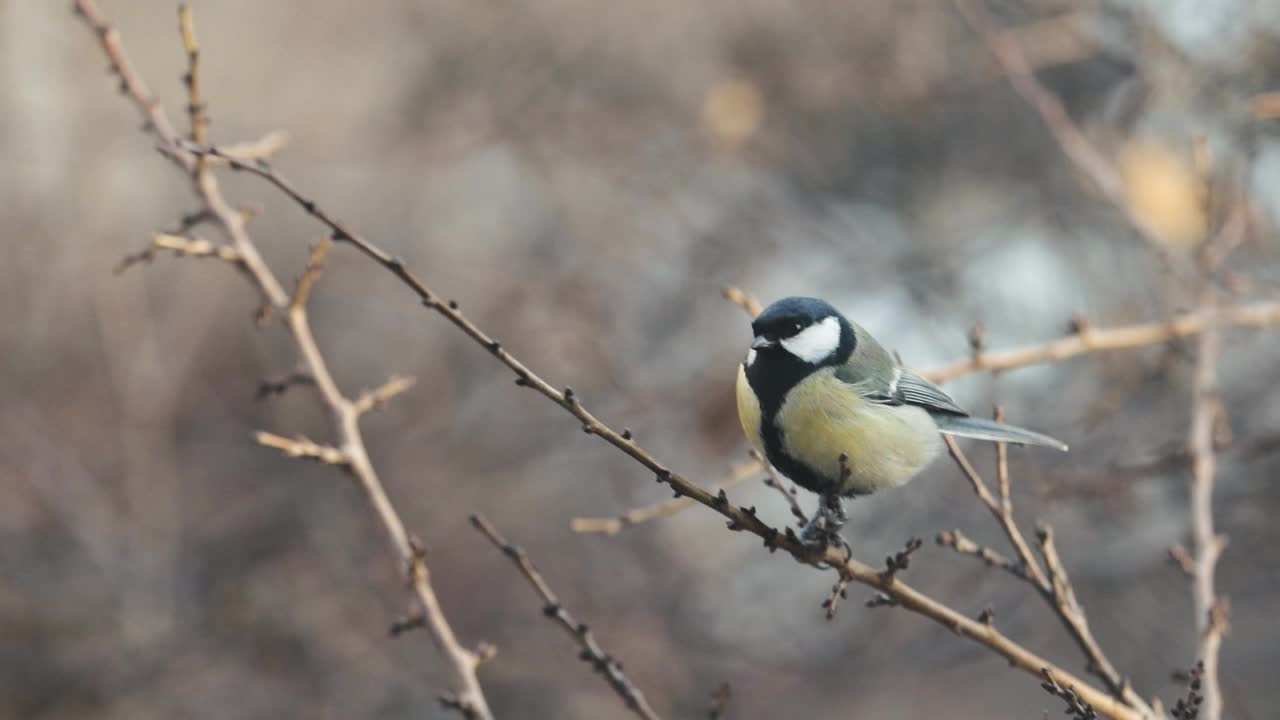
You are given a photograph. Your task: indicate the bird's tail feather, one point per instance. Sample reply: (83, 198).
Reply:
(979, 429)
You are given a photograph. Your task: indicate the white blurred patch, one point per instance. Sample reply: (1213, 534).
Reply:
(751, 356)
(816, 342)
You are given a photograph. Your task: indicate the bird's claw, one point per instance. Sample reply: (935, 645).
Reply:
(823, 530)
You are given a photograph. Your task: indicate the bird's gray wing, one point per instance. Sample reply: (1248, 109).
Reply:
(915, 390)
(900, 386)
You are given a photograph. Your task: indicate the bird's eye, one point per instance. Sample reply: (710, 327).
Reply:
(797, 327)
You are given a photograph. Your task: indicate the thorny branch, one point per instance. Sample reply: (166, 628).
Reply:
(592, 653)
(350, 451)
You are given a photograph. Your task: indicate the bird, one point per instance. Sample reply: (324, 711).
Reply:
(839, 415)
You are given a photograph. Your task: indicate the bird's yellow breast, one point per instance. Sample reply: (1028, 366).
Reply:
(886, 445)
(749, 410)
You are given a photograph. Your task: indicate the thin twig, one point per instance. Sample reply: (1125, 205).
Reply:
(281, 384)
(720, 702)
(1085, 339)
(743, 300)
(230, 221)
(1077, 707)
(461, 663)
(1051, 581)
(182, 247)
(1124, 337)
(775, 480)
(1211, 611)
(301, 447)
(592, 653)
(1022, 77)
(666, 508)
(378, 398)
(839, 591)
(743, 519)
(961, 543)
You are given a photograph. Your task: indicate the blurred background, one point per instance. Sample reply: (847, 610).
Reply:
(584, 178)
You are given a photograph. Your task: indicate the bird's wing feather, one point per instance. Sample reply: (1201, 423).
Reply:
(915, 390)
(903, 387)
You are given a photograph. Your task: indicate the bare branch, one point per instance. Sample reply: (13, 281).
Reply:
(261, 149)
(720, 701)
(788, 490)
(666, 508)
(182, 247)
(461, 663)
(377, 398)
(1051, 582)
(961, 543)
(301, 447)
(1022, 77)
(1211, 611)
(740, 519)
(1077, 707)
(839, 591)
(738, 297)
(592, 653)
(280, 384)
(1125, 337)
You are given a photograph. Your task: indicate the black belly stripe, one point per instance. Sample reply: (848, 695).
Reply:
(771, 381)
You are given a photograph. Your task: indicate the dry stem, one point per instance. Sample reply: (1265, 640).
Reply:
(740, 518)
(592, 653)
(1050, 581)
(666, 508)
(1211, 611)
(350, 452)
(1086, 339)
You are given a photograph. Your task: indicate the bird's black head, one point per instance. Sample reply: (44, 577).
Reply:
(807, 330)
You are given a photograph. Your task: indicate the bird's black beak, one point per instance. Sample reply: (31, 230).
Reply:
(761, 342)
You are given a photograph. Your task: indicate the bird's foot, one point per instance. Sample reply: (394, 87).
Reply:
(823, 530)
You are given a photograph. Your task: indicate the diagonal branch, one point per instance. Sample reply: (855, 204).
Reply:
(229, 220)
(600, 661)
(741, 519)
(666, 508)
(182, 247)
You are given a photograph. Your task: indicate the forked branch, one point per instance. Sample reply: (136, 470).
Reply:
(350, 452)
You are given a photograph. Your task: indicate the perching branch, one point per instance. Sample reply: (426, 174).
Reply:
(350, 451)
(893, 589)
(741, 519)
(592, 653)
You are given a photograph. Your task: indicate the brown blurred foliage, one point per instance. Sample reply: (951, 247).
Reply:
(585, 178)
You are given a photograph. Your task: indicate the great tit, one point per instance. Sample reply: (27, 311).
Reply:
(837, 414)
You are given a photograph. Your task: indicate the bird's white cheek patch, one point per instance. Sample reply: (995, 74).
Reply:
(816, 342)
(751, 357)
